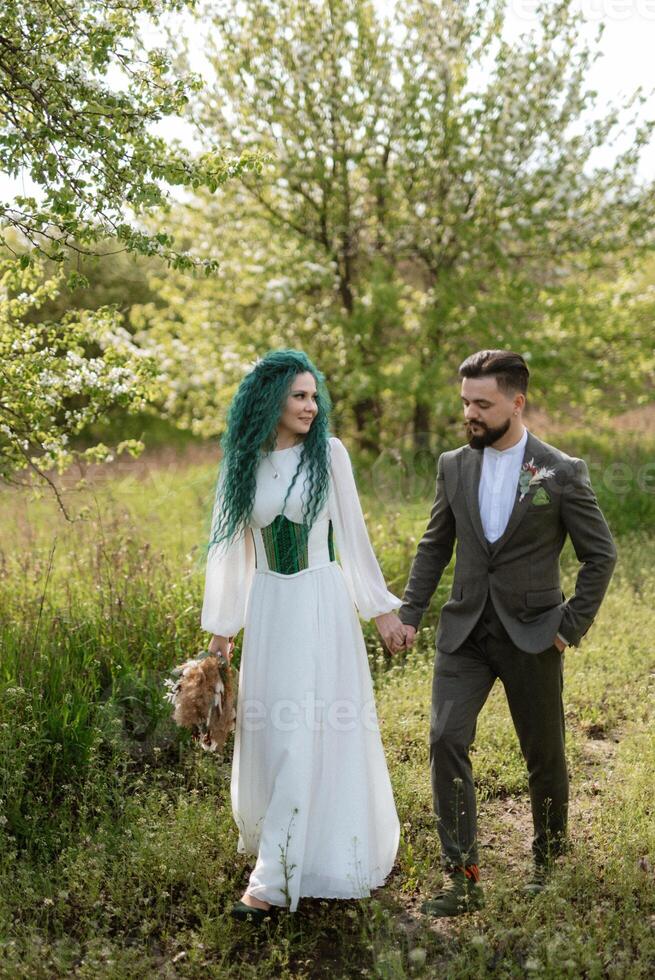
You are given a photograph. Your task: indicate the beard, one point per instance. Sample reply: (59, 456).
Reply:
(488, 436)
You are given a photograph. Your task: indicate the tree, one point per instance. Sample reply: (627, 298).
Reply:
(79, 93)
(57, 378)
(504, 211)
(268, 291)
(88, 144)
(434, 150)
(309, 83)
(210, 330)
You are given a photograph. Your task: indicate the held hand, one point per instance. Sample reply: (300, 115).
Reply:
(558, 643)
(221, 644)
(392, 630)
(410, 635)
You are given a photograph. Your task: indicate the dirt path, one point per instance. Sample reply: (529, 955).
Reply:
(505, 826)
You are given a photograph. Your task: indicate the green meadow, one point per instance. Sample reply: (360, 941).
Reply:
(117, 846)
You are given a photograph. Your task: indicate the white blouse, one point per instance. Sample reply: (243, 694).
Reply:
(230, 568)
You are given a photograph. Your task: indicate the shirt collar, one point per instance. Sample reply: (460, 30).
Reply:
(512, 451)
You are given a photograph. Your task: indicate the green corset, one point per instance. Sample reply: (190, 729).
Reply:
(287, 545)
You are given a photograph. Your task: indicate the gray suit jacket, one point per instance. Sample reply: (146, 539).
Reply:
(521, 569)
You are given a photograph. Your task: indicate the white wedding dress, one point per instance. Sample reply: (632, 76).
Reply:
(310, 788)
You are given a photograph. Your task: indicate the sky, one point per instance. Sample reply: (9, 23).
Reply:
(627, 62)
(627, 47)
(627, 44)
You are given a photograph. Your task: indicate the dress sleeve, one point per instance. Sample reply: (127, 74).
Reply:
(358, 562)
(228, 577)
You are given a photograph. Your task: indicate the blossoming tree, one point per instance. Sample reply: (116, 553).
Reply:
(79, 92)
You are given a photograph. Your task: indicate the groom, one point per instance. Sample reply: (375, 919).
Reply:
(509, 500)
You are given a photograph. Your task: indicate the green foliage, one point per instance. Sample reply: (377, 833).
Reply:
(405, 193)
(56, 379)
(79, 94)
(87, 143)
(622, 471)
(432, 190)
(118, 853)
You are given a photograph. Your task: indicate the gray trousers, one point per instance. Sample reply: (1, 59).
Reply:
(533, 684)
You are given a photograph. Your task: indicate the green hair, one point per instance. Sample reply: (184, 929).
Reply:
(252, 421)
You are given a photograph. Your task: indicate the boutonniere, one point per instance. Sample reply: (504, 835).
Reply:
(531, 475)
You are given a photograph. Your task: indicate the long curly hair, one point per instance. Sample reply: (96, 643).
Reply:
(252, 421)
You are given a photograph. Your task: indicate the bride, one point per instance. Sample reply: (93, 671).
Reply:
(310, 788)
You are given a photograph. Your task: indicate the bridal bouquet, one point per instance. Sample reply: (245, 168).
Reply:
(202, 693)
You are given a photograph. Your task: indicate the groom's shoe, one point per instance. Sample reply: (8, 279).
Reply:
(543, 867)
(538, 879)
(461, 893)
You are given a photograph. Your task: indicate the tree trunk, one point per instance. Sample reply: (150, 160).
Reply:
(368, 416)
(422, 435)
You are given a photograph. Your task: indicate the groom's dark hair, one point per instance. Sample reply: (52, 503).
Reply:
(509, 369)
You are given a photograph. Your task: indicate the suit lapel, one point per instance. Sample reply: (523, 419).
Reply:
(533, 450)
(471, 470)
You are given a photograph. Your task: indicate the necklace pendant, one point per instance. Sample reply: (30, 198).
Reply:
(276, 475)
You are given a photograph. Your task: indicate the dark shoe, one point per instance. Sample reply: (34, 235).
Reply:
(538, 880)
(460, 894)
(246, 913)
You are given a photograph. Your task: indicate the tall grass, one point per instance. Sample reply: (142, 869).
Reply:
(118, 854)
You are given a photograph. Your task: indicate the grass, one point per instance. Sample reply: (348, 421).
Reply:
(118, 857)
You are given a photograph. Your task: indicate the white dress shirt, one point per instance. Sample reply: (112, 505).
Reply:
(498, 483)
